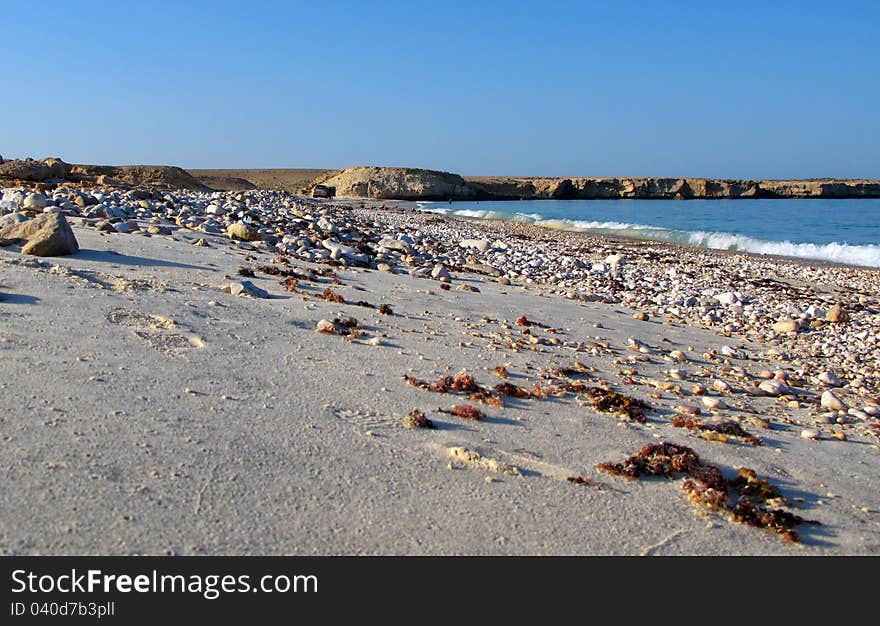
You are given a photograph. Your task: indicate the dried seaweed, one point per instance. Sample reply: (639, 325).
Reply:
(609, 401)
(290, 284)
(385, 309)
(417, 419)
(246, 272)
(512, 391)
(725, 428)
(331, 296)
(748, 484)
(346, 322)
(461, 383)
(501, 372)
(579, 480)
(522, 320)
(740, 499)
(274, 270)
(464, 411)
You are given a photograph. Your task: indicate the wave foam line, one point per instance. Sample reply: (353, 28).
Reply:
(866, 255)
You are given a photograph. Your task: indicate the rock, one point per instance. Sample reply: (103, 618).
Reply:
(836, 314)
(774, 388)
(481, 268)
(399, 183)
(728, 298)
(810, 433)
(384, 267)
(641, 316)
(396, 245)
(478, 244)
(243, 232)
(688, 409)
(34, 202)
(713, 404)
(677, 374)
(615, 260)
(13, 218)
(155, 229)
(325, 326)
(325, 225)
(503, 280)
(48, 234)
(27, 169)
(730, 352)
(785, 326)
(832, 402)
(440, 272)
(829, 379)
(245, 288)
(678, 355)
(722, 386)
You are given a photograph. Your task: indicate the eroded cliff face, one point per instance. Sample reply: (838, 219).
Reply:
(670, 188)
(418, 184)
(52, 171)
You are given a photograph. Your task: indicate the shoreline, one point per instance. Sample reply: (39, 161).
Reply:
(801, 261)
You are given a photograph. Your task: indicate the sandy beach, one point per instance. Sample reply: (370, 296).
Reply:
(162, 397)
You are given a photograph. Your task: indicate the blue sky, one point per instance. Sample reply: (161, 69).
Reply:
(719, 89)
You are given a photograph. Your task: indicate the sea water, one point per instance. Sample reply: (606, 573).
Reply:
(843, 231)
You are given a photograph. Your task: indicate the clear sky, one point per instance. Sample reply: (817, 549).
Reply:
(768, 89)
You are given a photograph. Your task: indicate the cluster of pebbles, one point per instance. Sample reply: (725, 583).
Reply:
(818, 322)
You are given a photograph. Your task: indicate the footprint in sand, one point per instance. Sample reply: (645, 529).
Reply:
(156, 330)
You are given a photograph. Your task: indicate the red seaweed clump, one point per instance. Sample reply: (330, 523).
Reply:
(741, 499)
(290, 284)
(609, 401)
(724, 428)
(465, 411)
(461, 383)
(522, 320)
(331, 296)
(512, 391)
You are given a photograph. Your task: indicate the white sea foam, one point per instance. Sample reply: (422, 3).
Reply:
(867, 255)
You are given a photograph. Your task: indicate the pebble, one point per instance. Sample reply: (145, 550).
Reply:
(829, 379)
(810, 433)
(830, 401)
(774, 387)
(688, 409)
(720, 385)
(785, 326)
(712, 403)
(836, 314)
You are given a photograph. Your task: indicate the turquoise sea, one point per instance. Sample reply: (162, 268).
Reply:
(843, 231)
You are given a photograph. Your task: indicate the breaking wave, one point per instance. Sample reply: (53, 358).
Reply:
(867, 255)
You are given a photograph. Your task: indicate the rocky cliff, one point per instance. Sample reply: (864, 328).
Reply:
(396, 183)
(52, 171)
